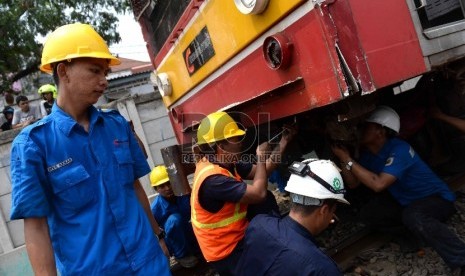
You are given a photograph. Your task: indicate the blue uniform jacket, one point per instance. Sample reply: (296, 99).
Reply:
(414, 179)
(281, 246)
(83, 182)
(162, 208)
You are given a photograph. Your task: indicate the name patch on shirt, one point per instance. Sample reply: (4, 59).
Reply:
(59, 165)
(117, 142)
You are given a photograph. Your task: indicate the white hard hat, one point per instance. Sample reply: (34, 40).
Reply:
(385, 116)
(315, 180)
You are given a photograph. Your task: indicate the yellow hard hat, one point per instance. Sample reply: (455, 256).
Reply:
(48, 88)
(74, 41)
(216, 127)
(158, 176)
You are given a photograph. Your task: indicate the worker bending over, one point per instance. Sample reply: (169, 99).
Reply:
(417, 197)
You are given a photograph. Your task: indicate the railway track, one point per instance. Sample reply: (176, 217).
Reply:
(360, 251)
(371, 245)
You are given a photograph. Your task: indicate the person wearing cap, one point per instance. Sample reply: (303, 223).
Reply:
(287, 246)
(221, 202)
(417, 198)
(6, 118)
(75, 173)
(173, 214)
(48, 92)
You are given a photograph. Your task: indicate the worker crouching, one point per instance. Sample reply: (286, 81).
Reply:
(173, 214)
(286, 246)
(409, 197)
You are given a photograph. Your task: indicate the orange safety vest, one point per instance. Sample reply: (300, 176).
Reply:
(217, 233)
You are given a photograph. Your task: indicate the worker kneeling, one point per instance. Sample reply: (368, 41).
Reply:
(173, 215)
(286, 246)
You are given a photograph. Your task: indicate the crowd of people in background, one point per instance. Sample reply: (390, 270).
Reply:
(25, 114)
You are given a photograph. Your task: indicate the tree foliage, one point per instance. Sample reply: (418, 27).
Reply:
(24, 22)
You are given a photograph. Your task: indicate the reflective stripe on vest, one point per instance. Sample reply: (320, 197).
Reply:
(236, 217)
(237, 214)
(217, 233)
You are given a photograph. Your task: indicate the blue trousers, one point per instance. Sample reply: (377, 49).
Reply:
(277, 178)
(424, 218)
(180, 238)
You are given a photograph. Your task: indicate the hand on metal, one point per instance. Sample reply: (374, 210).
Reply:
(341, 152)
(263, 150)
(288, 133)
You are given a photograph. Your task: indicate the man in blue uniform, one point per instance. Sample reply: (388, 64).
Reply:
(286, 246)
(421, 200)
(173, 214)
(74, 173)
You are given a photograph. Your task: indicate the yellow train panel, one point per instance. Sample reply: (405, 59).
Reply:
(228, 31)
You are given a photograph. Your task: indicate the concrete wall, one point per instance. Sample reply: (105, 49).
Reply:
(151, 124)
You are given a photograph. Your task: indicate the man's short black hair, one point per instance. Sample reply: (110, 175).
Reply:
(21, 98)
(390, 133)
(309, 209)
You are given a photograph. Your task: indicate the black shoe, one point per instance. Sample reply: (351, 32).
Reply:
(459, 271)
(188, 261)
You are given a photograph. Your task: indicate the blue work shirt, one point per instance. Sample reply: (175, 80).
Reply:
(414, 179)
(281, 246)
(162, 208)
(83, 182)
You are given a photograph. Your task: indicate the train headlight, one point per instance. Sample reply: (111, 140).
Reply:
(163, 83)
(251, 6)
(277, 51)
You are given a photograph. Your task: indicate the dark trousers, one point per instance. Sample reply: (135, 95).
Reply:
(180, 238)
(227, 266)
(425, 218)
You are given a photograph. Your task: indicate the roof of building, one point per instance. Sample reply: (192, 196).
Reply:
(129, 67)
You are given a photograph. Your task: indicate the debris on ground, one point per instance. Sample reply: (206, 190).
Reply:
(386, 260)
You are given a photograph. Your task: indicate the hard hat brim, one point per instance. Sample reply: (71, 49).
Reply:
(47, 68)
(160, 182)
(236, 133)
